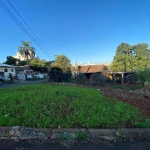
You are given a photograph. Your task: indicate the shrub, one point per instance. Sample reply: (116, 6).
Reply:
(80, 79)
(147, 88)
(98, 80)
(143, 75)
(57, 75)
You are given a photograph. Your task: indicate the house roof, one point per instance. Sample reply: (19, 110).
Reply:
(93, 68)
(8, 66)
(22, 68)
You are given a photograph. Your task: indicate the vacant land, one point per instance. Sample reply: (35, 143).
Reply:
(62, 106)
(134, 97)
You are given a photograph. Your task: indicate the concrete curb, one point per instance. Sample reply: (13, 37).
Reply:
(26, 133)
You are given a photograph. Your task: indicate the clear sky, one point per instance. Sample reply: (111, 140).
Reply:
(83, 30)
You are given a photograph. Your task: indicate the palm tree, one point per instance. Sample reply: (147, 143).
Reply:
(25, 50)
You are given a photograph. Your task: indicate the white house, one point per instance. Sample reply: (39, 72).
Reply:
(5, 70)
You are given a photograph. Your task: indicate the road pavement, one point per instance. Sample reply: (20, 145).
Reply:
(6, 85)
(46, 145)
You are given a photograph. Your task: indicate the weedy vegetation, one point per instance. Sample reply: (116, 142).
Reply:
(53, 106)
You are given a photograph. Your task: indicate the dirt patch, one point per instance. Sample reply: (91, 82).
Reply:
(134, 98)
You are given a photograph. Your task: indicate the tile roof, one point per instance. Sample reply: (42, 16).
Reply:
(92, 68)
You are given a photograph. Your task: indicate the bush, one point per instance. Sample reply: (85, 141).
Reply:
(147, 88)
(143, 75)
(80, 79)
(98, 80)
(57, 75)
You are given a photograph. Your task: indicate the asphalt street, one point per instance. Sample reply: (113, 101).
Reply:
(6, 85)
(103, 145)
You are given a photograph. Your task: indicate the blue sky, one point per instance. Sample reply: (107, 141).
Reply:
(83, 30)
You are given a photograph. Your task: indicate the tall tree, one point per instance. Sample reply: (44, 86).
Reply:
(63, 63)
(26, 51)
(131, 58)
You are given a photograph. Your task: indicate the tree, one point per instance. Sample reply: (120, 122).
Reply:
(11, 60)
(56, 74)
(26, 51)
(16, 62)
(60, 70)
(63, 63)
(22, 63)
(37, 64)
(48, 64)
(131, 58)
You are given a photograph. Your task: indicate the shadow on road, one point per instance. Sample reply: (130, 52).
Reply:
(47, 145)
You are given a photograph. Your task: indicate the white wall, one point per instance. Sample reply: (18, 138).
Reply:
(9, 70)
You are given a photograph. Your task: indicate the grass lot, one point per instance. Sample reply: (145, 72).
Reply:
(53, 106)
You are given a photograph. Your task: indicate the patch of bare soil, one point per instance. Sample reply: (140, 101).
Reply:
(135, 98)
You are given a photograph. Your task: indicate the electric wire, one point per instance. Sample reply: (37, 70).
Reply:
(2, 4)
(28, 26)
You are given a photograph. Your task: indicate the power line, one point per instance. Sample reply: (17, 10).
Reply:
(28, 26)
(20, 25)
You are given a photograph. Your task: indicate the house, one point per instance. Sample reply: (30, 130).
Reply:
(90, 70)
(6, 70)
(23, 70)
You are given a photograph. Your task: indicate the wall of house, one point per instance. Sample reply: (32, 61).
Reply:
(20, 72)
(7, 71)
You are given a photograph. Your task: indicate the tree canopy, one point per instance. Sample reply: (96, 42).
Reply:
(16, 62)
(26, 51)
(131, 58)
(63, 63)
(11, 60)
(38, 65)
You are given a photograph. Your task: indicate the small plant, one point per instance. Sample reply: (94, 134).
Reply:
(64, 136)
(120, 136)
(82, 136)
(5, 134)
(147, 89)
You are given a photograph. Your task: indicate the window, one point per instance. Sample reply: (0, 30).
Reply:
(6, 70)
(12, 70)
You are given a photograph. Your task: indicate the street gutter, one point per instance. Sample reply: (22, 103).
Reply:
(26, 133)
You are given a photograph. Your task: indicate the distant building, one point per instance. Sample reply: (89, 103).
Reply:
(88, 63)
(90, 70)
(22, 58)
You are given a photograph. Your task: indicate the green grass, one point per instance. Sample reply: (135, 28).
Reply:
(53, 106)
(8, 81)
